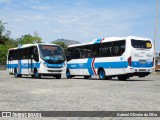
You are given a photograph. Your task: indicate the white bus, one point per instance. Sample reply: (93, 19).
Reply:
(36, 60)
(121, 57)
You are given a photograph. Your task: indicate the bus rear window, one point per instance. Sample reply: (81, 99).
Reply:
(141, 44)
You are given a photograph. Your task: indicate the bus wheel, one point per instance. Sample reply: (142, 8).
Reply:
(101, 74)
(68, 75)
(37, 75)
(58, 76)
(87, 77)
(16, 74)
(122, 77)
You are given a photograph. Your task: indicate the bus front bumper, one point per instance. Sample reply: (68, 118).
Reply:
(51, 71)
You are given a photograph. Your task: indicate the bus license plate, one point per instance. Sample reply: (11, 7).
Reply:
(142, 61)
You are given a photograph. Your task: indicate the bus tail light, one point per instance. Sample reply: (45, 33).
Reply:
(130, 61)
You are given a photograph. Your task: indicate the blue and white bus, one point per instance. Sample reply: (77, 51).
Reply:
(121, 57)
(37, 60)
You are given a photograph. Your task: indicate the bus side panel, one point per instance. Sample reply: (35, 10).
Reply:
(11, 65)
(26, 66)
(76, 66)
(111, 65)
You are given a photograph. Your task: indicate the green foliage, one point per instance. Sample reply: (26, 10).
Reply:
(62, 44)
(4, 36)
(3, 55)
(2, 28)
(11, 43)
(26, 39)
(6, 42)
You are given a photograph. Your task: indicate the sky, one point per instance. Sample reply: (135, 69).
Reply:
(81, 20)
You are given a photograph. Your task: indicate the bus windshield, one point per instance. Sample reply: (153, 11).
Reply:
(52, 54)
(141, 44)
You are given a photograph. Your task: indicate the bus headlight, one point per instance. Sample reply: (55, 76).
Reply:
(64, 64)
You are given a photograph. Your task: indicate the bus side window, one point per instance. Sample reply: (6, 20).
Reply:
(118, 47)
(77, 54)
(10, 56)
(106, 49)
(96, 49)
(16, 55)
(34, 53)
(69, 54)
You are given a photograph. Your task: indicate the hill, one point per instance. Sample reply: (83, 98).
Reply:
(67, 42)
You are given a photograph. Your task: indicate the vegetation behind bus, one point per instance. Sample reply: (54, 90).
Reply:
(6, 42)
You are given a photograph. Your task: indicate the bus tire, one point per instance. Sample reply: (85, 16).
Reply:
(68, 75)
(16, 74)
(58, 76)
(87, 77)
(122, 77)
(36, 74)
(101, 74)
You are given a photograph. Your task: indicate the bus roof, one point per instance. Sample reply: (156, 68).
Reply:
(29, 45)
(102, 40)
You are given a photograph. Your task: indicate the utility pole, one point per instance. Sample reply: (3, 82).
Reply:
(155, 34)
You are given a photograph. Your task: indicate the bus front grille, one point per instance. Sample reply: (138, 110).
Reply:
(54, 70)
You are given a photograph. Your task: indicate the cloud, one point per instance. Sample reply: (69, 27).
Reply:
(41, 7)
(79, 20)
(31, 18)
(5, 1)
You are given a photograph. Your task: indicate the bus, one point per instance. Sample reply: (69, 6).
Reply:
(121, 57)
(36, 60)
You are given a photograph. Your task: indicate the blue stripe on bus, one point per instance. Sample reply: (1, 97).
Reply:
(111, 64)
(97, 65)
(89, 66)
(138, 64)
(120, 64)
(24, 65)
(12, 65)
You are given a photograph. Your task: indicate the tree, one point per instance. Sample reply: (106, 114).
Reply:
(2, 28)
(11, 43)
(3, 55)
(62, 44)
(26, 39)
(4, 36)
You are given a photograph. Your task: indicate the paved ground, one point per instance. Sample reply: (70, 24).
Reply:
(48, 94)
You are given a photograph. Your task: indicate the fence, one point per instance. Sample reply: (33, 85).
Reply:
(3, 65)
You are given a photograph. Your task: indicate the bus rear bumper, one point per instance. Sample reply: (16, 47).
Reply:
(141, 72)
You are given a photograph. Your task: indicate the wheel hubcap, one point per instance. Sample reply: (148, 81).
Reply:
(101, 74)
(68, 74)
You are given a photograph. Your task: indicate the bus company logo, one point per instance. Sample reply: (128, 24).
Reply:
(121, 58)
(6, 114)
